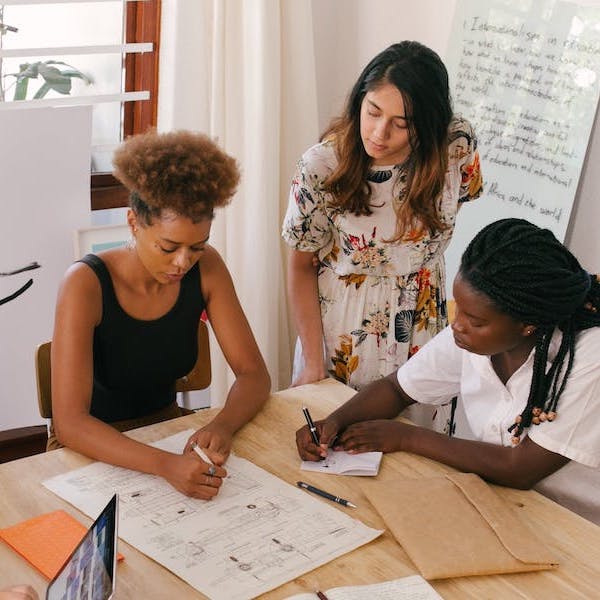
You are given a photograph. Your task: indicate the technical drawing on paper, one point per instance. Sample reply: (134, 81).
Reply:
(249, 539)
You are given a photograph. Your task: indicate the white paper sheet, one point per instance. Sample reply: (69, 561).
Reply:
(257, 534)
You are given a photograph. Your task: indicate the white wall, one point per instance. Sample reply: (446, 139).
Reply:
(45, 165)
(348, 33)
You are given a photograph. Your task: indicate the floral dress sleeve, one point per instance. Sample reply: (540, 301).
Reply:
(306, 226)
(463, 150)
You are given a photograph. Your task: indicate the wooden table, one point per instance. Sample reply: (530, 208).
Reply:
(269, 442)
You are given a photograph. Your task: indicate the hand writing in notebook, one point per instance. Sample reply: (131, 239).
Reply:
(379, 435)
(323, 431)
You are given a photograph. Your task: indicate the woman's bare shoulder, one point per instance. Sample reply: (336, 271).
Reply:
(80, 291)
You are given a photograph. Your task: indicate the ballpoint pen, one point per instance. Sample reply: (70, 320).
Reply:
(311, 426)
(324, 494)
(211, 469)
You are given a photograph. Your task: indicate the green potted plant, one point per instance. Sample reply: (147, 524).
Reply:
(56, 75)
(53, 74)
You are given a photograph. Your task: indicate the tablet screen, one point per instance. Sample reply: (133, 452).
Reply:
(89, 573)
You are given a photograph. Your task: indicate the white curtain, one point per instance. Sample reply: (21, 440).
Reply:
(243, 71)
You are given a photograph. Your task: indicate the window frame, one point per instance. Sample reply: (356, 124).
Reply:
(141, 73)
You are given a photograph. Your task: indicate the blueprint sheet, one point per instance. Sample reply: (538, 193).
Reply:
(256, 535)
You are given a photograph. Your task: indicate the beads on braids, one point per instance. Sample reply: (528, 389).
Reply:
(528, 274)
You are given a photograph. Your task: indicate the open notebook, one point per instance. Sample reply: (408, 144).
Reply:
(339, 462)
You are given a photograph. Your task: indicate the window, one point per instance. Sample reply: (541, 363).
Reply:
(103, 52)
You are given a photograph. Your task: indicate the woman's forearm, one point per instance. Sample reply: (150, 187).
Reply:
(95, 439)
(303, 295)
(246, 397)
(520, 467)
(380, 399)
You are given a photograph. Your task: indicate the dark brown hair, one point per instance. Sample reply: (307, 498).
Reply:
(421, 77)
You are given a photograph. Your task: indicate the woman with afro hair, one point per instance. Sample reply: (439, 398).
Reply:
(127, 318)
(521, 355)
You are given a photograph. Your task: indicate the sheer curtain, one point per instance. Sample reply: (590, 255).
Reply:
(243, 71)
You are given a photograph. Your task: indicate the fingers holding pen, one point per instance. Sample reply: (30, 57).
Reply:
(208, 479)
(215, 445)
(307, 449)
(325, 433)
(213, 469)
(192, 476)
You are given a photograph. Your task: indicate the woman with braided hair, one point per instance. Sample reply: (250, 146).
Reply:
(522, 356)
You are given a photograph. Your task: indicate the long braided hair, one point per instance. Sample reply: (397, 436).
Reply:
(529, 275)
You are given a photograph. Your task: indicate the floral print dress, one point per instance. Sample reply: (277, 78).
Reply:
(380, 301)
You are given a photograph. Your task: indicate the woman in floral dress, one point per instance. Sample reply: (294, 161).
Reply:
(376, 203)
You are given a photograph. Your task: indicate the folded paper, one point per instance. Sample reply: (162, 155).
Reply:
(456, 525)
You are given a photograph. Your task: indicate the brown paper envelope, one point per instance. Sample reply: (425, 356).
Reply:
(456, 525)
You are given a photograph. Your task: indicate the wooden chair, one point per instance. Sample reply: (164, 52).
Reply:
(197, 379)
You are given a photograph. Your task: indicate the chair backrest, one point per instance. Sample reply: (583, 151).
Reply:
(197, 379)
(42, 376)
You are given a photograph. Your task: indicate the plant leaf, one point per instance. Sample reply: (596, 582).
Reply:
(78, 75)
(55, 79)
(71, 71)
(44, 89)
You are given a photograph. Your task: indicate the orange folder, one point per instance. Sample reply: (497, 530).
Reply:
(46, 541)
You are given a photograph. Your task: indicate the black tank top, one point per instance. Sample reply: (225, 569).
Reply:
(137, 362)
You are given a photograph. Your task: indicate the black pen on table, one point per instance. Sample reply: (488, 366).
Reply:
(323, 494)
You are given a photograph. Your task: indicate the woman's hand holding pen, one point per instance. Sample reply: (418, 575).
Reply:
(326, 432)
(191, 475)
(381, 435)
(215, 440)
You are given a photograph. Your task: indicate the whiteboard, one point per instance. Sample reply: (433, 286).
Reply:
(44, 191)
(526, 74)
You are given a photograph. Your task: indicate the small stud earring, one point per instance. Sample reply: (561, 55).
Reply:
(529, 330)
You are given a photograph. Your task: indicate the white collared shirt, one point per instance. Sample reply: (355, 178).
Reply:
(441, 370)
